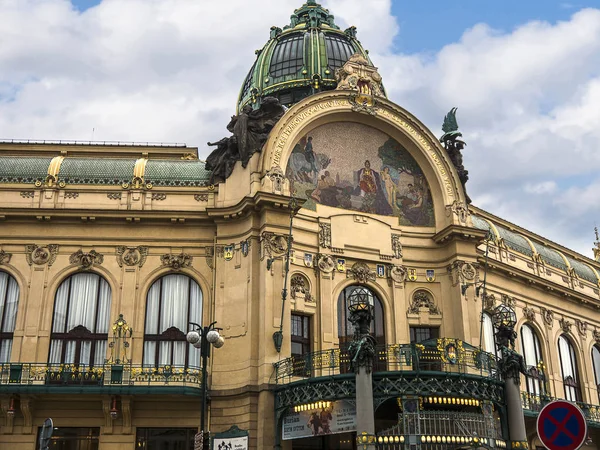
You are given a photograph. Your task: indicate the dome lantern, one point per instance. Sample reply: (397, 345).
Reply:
(300, 59)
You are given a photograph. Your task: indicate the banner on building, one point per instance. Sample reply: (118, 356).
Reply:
(333, 418)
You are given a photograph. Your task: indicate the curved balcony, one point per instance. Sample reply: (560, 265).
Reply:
(533, 404)
(104, 379)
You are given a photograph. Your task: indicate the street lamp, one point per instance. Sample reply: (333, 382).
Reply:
(360, 306)
(211, 337)
(505, 319)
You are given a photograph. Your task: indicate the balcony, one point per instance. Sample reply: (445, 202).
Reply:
(105, 379)
(533, 404)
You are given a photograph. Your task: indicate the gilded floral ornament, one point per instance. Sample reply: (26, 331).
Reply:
(361, 273)
(131, 256)
(86, 260)
(5, 257)
(41, 254)
(176, 262)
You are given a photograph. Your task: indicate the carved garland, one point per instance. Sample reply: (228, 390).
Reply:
(422, 299)
(176, 262)
(325, 235)
(86, 260)
(361, 273)
(300, 288)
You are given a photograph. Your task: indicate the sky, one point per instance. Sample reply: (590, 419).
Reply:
(525, 76)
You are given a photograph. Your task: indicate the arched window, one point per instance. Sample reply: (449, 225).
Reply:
(532, 355)
(9, 303)
(346, 329)
(173, 302)
(81, 320)
(596, 363)
(489, 343)
(568, 369)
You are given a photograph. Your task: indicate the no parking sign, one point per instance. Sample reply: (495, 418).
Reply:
(561, 426)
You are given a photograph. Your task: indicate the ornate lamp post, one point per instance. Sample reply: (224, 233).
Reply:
(510, 365)
(202, 338)
(362, 354)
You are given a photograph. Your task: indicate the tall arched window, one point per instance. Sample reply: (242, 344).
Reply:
(81, 320)
(9, 303)
(596, 363)
(568, 369)
(346, 329)
(173, 302)
(532, 354)
(489, 343)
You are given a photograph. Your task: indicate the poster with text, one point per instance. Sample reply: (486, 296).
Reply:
(239, 443)
(339, 417)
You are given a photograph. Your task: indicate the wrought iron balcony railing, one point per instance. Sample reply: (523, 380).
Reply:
(533, 404)
(439, 355)
(108, 375)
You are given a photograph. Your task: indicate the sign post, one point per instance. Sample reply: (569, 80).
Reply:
(561, 425)
(46, 434)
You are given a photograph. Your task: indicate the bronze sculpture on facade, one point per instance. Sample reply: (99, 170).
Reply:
(454, 146)
(250, 129)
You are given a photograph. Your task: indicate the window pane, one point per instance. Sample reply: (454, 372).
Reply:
(488, 334)
(9, 302)
(596, 363)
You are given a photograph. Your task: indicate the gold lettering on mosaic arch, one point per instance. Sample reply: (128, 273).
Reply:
(354, 166)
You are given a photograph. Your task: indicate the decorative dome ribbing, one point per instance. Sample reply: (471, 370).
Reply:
(300, 59)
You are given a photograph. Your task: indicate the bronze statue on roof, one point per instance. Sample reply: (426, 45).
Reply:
(453, 146)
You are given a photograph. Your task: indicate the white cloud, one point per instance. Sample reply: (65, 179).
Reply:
(170, 70)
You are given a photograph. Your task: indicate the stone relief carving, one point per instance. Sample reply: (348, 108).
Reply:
(547, 315)
(131, 256)
(423, 299)
(325, 263)
(361, 273)
(581, 327)
(397, 273)
(529, 313)
(396, 246)
(273, 244)
(5, 257)
(596, 335)
(463, 272)
(277, 178)
(489, 302)
(300, 288)
(565, 325)
(41, 254)
(509, 301)
(325, 235)
(357, 74)
(176, 262)
(86, 260)
(201, 197)
(114, 195)
(210, 254)
(459, 209)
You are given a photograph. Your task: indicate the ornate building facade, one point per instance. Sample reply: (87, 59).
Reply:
(108, 252)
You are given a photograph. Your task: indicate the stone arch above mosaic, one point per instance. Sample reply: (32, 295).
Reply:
(353, 166)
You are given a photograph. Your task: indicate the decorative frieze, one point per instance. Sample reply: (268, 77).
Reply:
(5, 257)
(361, 273)
(71, 194)
(201, 197)
(114, 195)
(176, 262)
(423, 299)
(27, 194)
(158, 196)
(41, 254)
(86, 260)
(131, 256)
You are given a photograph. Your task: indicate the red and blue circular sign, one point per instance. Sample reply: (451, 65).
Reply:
(561, 426)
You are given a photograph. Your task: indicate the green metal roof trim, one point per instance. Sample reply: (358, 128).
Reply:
(176, 173)
(549, 256)
(108, 171)
(582, 270)
(15, 169)
(514, 241)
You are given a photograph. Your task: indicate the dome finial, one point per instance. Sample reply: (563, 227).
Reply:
(597, 246)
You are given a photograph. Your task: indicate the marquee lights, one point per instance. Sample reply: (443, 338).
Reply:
(452, 401)
(312, 406)
(390, 439)
(453, 440)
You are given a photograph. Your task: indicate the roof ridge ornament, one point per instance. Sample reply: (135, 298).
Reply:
(597, 246)
(453, 146)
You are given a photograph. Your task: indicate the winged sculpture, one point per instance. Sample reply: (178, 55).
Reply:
(454, 145)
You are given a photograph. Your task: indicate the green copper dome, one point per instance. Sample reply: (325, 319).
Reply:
(300, 59)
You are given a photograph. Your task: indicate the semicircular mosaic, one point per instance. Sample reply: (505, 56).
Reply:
(353, 166)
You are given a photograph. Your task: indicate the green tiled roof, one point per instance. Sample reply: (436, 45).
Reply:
(582, 270)
(176, 173)
(550, 256)
(480, 224)
(96, 171)
(14, 169)
(514, 241)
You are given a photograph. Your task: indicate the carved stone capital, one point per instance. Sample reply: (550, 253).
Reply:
(325, 235)
(423, 299)
(5, 257)
(176, 262)
(361, 273)
(459, 209)
(86, 260)
(41, 254)
(131, 256)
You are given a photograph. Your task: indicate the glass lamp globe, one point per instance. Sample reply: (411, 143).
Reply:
(212, 336)
(192, 337)
(360, 299)
(504, 316)
(198, 344)
(220, 342)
